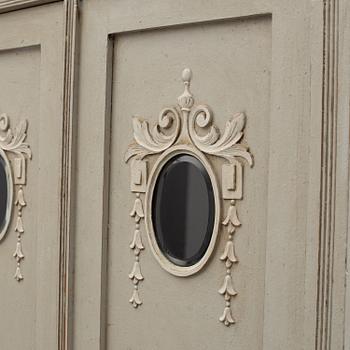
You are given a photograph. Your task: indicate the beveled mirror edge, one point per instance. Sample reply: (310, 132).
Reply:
(9, 205)
(165, 263)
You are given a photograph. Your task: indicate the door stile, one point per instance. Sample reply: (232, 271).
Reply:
(65, 295)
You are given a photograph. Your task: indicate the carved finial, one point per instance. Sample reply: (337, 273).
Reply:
(187, 76)
(186, 99)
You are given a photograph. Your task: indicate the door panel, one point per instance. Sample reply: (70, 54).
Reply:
(246, 56)
(231, 72)
(31, 89)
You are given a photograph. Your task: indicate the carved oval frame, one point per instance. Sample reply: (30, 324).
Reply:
(9, 205)
(165, 263)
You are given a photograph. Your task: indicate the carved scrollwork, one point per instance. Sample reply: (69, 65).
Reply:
(182, 127)
(13, 141)
(226, 146)
(155, 141)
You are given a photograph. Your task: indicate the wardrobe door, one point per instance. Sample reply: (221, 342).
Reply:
(197, 202)
(31, 71)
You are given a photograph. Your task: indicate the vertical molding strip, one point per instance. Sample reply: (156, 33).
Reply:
(71, 8)
(328, 174)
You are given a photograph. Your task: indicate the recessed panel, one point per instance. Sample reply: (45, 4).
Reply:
(31, 70)
(19, 99)
(231, 62)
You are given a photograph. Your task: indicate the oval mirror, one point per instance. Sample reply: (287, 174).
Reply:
(183, 210)
(5, 194)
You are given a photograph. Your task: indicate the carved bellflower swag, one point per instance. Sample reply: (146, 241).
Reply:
(187, 126)
(12, 141)
(136, 245)
(18, 254)
(229, 257)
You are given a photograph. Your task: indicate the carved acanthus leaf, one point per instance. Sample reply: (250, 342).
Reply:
(157, 141)
(13, 141)
(225, 145)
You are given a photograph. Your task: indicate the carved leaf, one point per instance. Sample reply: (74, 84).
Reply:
(156, 141)
(211, 137)
(136, 150)
(225, 146)
(14, 142)
(236, 151)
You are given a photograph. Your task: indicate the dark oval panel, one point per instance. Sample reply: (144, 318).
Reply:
(4, 195)
(183, 210)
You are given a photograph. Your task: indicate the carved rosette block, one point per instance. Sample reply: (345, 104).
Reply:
(12, 142)
(185, 126)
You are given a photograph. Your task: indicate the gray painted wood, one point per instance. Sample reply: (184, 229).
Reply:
(285, 64)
